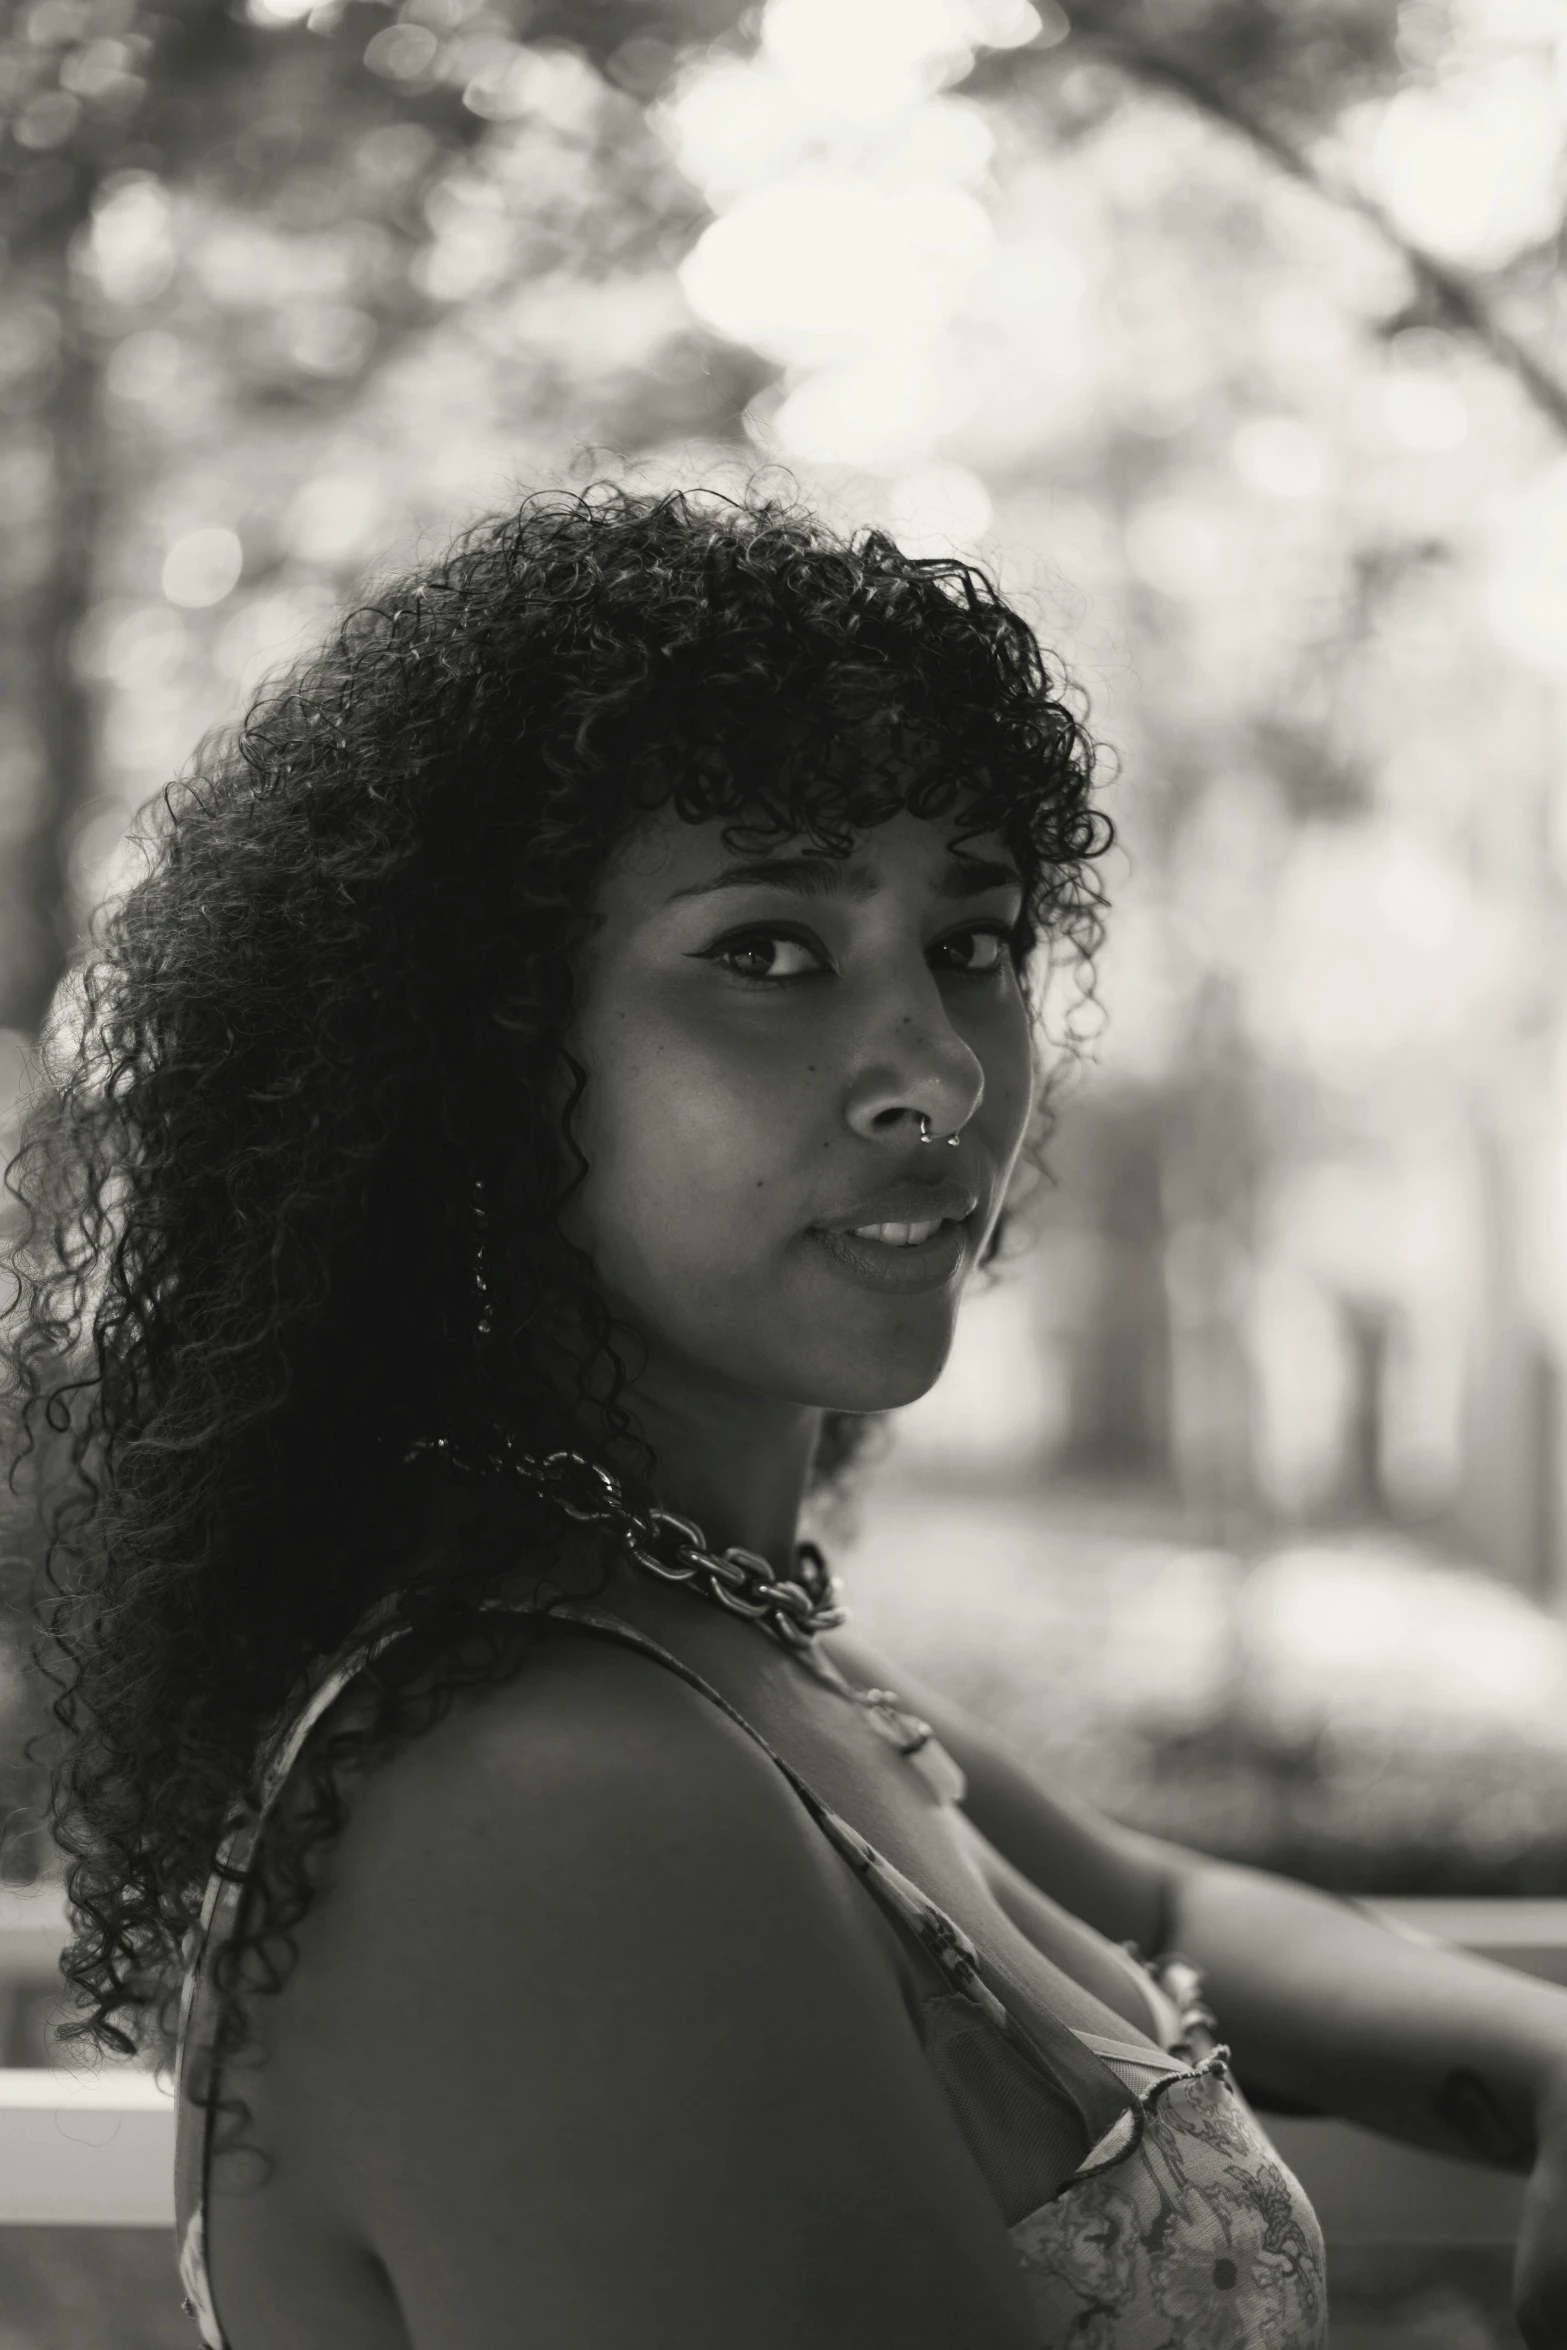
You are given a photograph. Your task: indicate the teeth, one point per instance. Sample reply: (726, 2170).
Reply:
(898, 1235)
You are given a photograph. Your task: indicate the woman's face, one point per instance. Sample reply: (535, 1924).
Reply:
(763, 1039)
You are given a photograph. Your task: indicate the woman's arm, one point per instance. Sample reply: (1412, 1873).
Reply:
(1324, 2010)
(1422, 2042)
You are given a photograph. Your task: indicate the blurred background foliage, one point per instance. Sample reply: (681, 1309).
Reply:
(1234, 333)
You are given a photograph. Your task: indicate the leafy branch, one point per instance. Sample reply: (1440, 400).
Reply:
(1453, 297)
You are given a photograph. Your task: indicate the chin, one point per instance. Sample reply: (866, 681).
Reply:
(884, 1385)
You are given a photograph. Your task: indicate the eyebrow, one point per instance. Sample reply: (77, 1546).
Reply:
(825, 877)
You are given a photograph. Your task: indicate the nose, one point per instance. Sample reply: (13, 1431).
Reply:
(918, 1067)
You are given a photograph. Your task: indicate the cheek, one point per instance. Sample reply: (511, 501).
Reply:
(683, 1147)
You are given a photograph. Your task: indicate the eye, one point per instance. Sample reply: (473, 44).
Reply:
(763, 955)
(982, 950)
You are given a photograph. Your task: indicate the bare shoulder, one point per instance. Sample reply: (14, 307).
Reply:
(612, 2044)
(534, 1794)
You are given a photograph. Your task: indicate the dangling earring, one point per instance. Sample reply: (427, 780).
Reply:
(480, 1274)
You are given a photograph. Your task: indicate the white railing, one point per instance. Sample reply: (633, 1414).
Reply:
(96, 2149)
(78, 2147)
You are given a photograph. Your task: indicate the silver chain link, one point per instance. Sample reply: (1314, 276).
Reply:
(792, 1609)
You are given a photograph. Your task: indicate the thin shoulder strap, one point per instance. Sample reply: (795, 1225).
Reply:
(1074, 2067)
(317, 1688)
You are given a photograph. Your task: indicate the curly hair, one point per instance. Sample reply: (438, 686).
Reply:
(336, 996)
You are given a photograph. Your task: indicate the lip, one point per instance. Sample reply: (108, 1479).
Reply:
(929, 1264)
(909, 1202)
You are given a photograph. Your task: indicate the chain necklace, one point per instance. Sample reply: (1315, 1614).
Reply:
(792, 1609)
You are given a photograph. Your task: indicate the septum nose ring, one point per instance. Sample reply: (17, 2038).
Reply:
(951, 1140)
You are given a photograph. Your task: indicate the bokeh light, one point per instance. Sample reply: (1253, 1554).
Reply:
(202, 567)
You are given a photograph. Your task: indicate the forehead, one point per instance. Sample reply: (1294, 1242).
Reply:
(666, 858)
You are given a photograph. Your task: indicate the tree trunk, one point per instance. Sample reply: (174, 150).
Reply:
(35, 892)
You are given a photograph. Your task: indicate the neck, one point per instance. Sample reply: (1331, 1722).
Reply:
(737, 1464)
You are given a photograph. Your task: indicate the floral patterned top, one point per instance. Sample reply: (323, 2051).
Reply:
(1146, 2206)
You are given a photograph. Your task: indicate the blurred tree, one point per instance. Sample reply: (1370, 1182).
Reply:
(1279, 76)
(1119, 1398)
(107, 109)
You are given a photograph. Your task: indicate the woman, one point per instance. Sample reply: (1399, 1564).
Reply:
(564, 1060)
